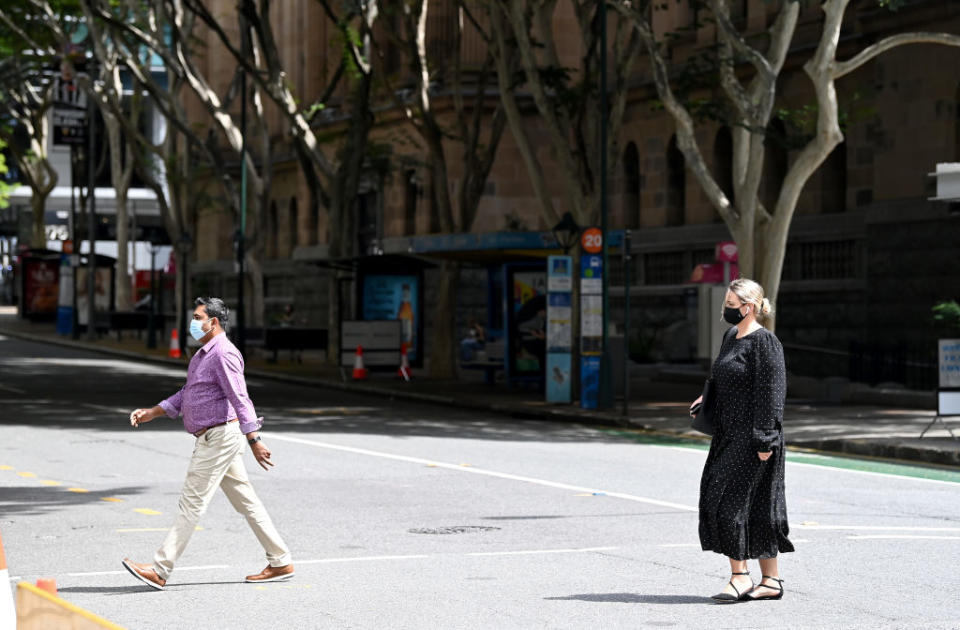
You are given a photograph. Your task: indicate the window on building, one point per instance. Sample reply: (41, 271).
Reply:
(367, 228)
(833, 184)
(632, 184)
(676, 184)
(273, 232)
(411, 193)
(774, 163)
(723, 166)
(293, 224)
(956, 131)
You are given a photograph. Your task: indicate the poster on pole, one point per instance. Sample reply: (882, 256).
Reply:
(69, 114)
(559, 329)
(591, 327)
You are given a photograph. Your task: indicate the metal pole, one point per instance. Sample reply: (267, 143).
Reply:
(606, 372)
(241, 231)
(151, 319)
(91, 219)
(74, 232)
(626, 322)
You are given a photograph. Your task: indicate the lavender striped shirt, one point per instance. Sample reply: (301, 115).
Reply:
(215, 391)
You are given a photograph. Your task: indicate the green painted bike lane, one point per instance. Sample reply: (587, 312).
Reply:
(810, 457)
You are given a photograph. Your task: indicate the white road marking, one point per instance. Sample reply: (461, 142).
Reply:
(540, 551)
(124, 572)
(488, 473)
(359, 559)
(901, 537)
(795, 454)
(900, 528)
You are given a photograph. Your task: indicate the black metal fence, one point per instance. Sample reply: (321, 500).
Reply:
(913, 367)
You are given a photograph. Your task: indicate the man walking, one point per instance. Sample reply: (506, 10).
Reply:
(217, 411)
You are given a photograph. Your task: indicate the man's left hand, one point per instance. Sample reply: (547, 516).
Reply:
(262, 455)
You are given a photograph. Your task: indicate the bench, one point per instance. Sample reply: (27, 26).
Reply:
(489, 359)
(294, 338)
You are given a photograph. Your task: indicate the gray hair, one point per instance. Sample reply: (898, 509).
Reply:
(215, 308)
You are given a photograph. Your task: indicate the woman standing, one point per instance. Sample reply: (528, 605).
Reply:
(743, 512)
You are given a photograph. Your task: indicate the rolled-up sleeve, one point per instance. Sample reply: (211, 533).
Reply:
(770, 391)
(171, 406)
(230, 376)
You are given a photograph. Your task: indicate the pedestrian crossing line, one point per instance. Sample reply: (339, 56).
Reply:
(147, 511)
(489, 473)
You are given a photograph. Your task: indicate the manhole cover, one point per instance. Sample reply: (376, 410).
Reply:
(456, 529)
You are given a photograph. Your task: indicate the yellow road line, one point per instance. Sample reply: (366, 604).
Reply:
(50, 482)
(26, 474)
(5, 467)
(147, 511)
(111, 499)
(77, 490)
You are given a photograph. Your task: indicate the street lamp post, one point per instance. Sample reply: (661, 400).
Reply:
(91, 216)
(606, 371)
(240, 337)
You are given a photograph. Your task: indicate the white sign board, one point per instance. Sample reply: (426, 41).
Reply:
(949, 366)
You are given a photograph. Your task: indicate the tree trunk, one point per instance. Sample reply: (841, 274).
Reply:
(38, 235)
(443, 356)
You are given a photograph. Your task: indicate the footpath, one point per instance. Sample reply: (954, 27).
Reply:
(658, 402)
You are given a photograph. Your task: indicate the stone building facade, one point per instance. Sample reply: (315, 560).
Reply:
(868, 253)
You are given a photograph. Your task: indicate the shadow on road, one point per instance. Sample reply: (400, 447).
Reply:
(30, 500)
(107, 590)
(634, 598)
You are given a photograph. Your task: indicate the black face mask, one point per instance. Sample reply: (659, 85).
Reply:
(732, 316)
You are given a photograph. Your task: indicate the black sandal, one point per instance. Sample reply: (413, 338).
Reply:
(779, 588)
(727, 598)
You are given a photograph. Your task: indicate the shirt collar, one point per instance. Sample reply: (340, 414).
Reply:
(209, 345)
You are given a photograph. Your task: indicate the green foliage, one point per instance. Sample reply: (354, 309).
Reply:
(947, 314)
(5, 188)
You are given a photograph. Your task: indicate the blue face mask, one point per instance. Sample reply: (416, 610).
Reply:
(196, 329)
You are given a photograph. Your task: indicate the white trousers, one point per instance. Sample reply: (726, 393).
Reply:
(217, 461)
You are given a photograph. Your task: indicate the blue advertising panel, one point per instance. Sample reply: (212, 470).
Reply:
(394, 297)
(589, 382)
(558, 377)
(559, 328)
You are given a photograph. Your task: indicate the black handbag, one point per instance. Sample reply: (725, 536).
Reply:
(703, 420)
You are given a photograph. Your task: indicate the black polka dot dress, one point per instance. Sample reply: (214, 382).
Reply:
(743, 513)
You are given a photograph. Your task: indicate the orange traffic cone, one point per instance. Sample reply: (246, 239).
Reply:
(174, 345)
(8, 614)
(404, 371)
(359, 372)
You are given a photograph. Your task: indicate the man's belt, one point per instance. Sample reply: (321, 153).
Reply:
(202, 431)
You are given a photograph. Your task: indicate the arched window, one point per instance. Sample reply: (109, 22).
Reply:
(411, 192)
(774, 163)
(632, 184)
(676, 184)
(833, 184)
(294, 221)
(723, 166)
(956, 132)
(273, 232)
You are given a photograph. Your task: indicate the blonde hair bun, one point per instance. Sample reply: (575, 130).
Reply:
(765, 307)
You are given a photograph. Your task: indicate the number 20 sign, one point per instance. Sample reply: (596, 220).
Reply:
(592, 240)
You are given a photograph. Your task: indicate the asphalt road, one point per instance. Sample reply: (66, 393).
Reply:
(411, 516)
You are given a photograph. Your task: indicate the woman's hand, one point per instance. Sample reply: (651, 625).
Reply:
(694, 404)
(764, 456)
